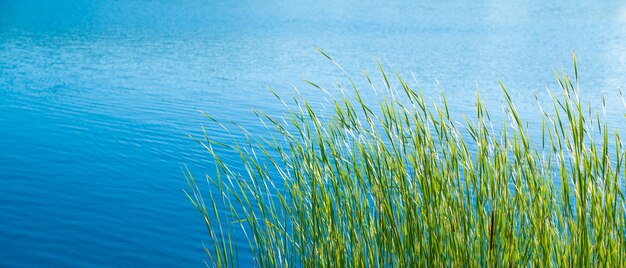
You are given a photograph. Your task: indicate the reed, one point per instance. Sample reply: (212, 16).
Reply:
(401, 183)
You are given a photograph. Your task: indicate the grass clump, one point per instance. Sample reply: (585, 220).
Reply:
(401, 183)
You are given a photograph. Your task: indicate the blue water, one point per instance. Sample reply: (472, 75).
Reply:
(97, 97)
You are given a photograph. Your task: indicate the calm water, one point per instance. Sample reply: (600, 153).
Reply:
(97, 97)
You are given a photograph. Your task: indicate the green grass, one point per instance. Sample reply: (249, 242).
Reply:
(401, 183)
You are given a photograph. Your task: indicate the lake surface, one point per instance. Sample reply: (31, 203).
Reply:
(97, 97)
